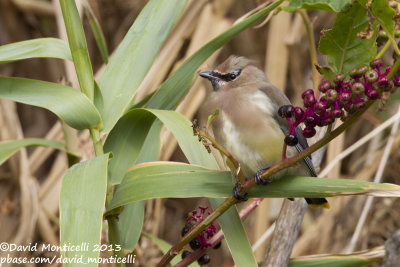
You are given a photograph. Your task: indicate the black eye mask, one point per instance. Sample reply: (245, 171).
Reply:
(228, 76)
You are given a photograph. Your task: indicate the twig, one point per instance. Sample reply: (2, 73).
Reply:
(377, 179)
(313, 50)
(264, 237)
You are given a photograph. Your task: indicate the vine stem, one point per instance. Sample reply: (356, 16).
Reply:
(313, 49)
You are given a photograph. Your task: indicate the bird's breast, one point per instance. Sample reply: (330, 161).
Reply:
(249, 132)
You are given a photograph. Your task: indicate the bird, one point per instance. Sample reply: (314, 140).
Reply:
(248, 125)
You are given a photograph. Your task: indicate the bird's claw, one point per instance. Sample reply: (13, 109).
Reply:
(259, 180)
(238, 195)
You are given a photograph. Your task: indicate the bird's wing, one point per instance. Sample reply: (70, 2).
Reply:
(281, 99)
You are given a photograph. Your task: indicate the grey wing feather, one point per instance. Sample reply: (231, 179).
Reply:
(300, 147)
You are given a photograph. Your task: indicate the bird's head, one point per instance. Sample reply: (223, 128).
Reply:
(234, 72)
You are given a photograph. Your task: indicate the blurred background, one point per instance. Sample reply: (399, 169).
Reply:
(30, 181)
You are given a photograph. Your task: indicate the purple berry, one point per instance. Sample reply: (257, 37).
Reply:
(307, 92)
(371, 76)
(353, 73)
(358, 89)
(324, 86)
(195, 243)
(185, 253)
(285, 111)
(396, 80)
(309, 132)
(331, 95)
(310, 121)
(344, 98)
(339, 77)
(361, 70)
(320, 108)
(326, 121)
(384, 84)
(372, 94)
(203, 260)
(298, 113)
(291, 140)
(186, 229)
(336, 113)
(309, 100)
(376, 63)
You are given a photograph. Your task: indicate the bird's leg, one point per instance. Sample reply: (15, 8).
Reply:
(259, 180)
(237, 194)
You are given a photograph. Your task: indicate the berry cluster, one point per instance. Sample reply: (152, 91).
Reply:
(339, 99)
(200, 241)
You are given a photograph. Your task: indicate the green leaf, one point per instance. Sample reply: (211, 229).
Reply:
(169, 94)
(129, 134)
(8, 148)
(327, 5)
(196, 181)
(343, 48)
(125, 141)
(70, 105)
(131, 219)
(98, 34)
(134, 56)
(130, 225)
(235, 235)
(327, 72)
(41, 47)
(383, 13)
(82, 199)
(77, 44)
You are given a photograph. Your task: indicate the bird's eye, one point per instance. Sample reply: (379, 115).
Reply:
(232, 76)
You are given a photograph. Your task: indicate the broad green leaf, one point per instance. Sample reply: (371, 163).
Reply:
(70, 105)
(327, 5)
(327, 72)
(130, 225)
(77, 44)
(235, 235)
(196, 181)
(131, 219)
(127, 138)
(125, 141)
(134, 56)
(82, 199)
(381, 10)
(343, 48)
(175, 87)
(164, 247)
(8, 148)
(41, 47)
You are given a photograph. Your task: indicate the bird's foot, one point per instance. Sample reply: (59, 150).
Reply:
(239, 195)
(259, 180)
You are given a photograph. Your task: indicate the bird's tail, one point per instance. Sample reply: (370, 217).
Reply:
(318, 203)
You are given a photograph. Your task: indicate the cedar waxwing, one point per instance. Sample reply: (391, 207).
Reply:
(248, 125)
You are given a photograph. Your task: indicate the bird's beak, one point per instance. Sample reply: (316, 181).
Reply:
(208, 75)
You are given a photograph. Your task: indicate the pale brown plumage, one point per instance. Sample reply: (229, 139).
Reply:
(248, 125)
